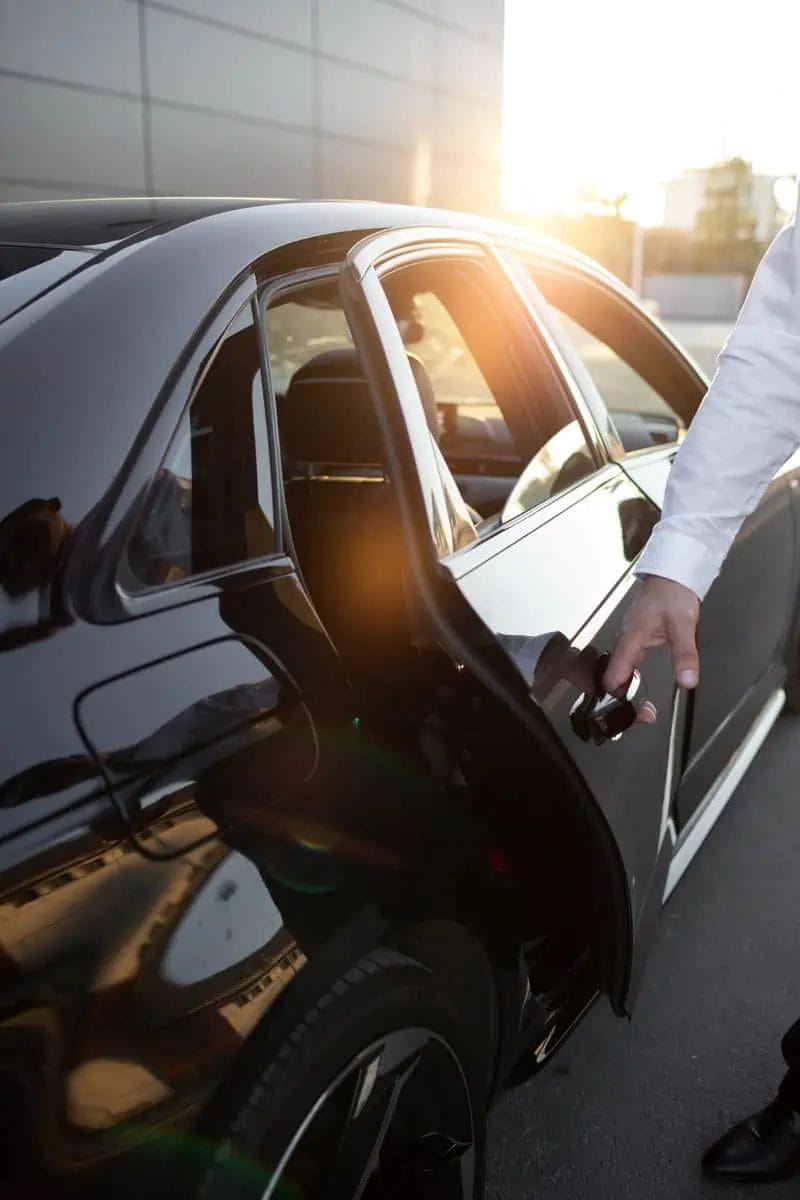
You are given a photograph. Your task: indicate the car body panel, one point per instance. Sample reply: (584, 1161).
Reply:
(563, 569)
(742, 629)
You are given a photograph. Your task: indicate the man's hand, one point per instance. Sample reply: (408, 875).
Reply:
(662, 611)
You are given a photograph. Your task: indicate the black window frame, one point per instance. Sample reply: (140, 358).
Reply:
(95, 578)
(236, 563)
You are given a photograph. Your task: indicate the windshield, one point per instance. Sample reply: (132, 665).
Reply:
(27, 271)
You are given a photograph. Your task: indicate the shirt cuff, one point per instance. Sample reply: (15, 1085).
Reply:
(684, 559)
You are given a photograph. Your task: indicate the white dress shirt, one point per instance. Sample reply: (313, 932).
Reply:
(746, 428)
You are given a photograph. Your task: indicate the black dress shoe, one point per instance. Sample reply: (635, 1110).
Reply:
(762, 1148)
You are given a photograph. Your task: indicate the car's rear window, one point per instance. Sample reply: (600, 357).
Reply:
(27, 271)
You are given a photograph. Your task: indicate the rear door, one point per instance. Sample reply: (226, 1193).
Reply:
(652, 393)
(200, 722)
(551, 570)
(180, 704)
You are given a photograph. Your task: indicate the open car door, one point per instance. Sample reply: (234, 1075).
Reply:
(525, 609)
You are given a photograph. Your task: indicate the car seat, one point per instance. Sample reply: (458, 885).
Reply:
(344, 519)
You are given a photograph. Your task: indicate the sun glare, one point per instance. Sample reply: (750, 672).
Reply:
(613, 97)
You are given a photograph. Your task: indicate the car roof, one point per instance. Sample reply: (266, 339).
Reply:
(106, 224)
(102, 223)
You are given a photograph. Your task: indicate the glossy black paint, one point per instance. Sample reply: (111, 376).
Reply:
(204, 820)
(742, 630)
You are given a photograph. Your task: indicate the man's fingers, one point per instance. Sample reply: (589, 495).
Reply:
(647, 714)
(626, 657)
(685, 660)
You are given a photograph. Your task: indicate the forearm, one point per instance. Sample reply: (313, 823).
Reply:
(746, 428)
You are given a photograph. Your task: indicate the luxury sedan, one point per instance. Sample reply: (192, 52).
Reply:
(317, 521)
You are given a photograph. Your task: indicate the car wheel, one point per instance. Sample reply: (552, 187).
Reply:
(376, 1094)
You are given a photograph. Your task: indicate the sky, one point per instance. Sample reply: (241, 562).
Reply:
(623, 94)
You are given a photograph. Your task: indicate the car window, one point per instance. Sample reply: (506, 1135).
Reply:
(299, 329)
(623, 388)
(210, 504)
(563, 460)
(473, 433)
(624, 357)
(495, 424)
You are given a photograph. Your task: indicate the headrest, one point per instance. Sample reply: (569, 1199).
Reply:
(328, 416)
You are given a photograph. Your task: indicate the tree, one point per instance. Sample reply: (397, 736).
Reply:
(726, 222)
(596, 202)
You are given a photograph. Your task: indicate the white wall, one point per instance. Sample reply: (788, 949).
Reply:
(381, 99)
(696, 297)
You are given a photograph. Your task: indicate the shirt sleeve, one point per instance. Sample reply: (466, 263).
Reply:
(746, 428)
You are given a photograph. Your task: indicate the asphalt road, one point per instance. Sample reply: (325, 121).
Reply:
(625, 1110)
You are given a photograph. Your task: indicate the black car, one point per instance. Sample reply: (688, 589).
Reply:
(316, 828)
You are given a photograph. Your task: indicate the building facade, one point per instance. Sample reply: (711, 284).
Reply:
(686, 197)
(380, 99)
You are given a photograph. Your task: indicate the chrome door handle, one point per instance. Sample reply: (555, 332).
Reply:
(599, 716)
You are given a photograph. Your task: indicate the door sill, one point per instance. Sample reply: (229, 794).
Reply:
(705, 818)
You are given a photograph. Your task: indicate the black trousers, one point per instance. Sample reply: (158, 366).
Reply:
(790, 1046)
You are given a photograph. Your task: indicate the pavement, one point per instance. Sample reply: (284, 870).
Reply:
(703, 340)
(625, 1110)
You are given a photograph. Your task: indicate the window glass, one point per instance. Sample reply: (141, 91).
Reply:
(623, 356)
(563, 460)
(298, 330)
(210, 504)
(641, 415)
(494, 427)
(473, 431)
(448, 359)
(622, 388)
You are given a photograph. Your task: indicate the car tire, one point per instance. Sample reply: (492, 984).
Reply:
(379, 1081)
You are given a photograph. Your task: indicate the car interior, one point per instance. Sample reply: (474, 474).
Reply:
(498, 453)
(342, 515)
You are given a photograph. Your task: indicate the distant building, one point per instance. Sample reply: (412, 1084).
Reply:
(686, 197)
(382, 99)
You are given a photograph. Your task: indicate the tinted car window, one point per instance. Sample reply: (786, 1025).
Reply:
(641, 416)
(27, 271)
(623, 356)
(508, 446)
(615, 379)
(299, 330)
(471, 423)
(563, 460)
(209, 505)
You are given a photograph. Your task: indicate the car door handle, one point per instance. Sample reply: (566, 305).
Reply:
(599, 716)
